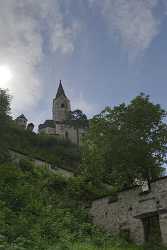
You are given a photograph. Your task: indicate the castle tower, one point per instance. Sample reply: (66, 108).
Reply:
(58, 125)
(21, 121)
(61, 105)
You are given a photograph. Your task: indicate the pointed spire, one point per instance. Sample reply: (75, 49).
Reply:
(60, 90)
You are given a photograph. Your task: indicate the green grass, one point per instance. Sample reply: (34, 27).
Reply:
(114, 247)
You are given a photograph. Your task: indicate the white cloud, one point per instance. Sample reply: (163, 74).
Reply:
(132, 21)
(81, 103)
(63, 38)
(22, 25)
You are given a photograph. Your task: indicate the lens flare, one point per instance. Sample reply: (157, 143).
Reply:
(5, 76)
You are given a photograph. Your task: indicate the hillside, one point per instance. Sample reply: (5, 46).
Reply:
(42, 211)
(54, 150)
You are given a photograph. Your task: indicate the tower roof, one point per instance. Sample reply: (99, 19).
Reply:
(22, 117)
(60, 90)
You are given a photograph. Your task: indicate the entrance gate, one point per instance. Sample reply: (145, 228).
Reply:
(152, 231)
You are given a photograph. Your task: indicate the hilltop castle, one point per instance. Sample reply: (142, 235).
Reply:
(58, 125)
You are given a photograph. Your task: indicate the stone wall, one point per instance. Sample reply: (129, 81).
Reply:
(17, 156)
(47, 130)
(61, 107)
(126, 212)
(71, 133)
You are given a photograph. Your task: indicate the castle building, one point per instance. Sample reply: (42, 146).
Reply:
(58, 125)
(60, 110)
(21, 121)
(30, 127)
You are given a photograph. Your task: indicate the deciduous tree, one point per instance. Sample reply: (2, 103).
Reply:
(77, 119)
(126, 143)
(4, 120)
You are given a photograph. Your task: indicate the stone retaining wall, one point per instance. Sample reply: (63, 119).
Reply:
(127, 212)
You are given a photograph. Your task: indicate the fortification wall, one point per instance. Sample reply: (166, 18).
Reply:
(17, 156)
(131, 208)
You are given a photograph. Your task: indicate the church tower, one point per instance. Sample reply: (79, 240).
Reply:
(61, 106)
(58, 126)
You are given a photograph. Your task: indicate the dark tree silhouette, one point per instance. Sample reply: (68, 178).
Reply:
(77, 119)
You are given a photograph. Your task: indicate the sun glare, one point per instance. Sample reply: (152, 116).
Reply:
(5, 76)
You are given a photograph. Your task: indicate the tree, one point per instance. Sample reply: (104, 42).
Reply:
(4, 104)
(78, 120)
(127, 143)
(4, 120)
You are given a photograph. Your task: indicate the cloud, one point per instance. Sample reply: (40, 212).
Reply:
(165, 6)
(63, 38)
(81, 103)
(132, 21)
(24, 28)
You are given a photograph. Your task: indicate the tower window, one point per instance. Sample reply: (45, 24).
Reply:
(62, 105)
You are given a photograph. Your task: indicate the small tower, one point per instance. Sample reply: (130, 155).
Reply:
(30, 127)
(61, 105)
(21, 121)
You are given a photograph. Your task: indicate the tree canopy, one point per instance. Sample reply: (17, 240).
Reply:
(4, 108)
(4, 122)
(126, 143)
(59, 152)
(78, 120)
(4, 102)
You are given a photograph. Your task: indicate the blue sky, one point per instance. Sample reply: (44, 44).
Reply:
(105, 52)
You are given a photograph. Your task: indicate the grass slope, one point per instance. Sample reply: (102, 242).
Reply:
(40, 210)
(57, 151)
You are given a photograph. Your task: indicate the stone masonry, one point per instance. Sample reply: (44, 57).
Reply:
(130, 208)
(58, 125)
(16, 156)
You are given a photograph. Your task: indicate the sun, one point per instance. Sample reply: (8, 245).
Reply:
(5, 76)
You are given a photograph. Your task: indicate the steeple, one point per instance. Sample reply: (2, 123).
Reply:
(60, 91)
(61, 105)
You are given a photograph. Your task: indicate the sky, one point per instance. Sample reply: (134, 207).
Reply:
(105, 52)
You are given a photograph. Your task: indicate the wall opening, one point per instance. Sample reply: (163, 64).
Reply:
(66, 135)
(152, 231)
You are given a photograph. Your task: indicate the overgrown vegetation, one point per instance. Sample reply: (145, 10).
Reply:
(40, 210)
(37, 209)
(60, 152)
(126, 143)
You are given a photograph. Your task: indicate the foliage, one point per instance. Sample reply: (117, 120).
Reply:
(37, 208)
(4, 121)
(54, 150)
(57, 151)
(77, 119)
(113, 245)
(4, 103)
(39, 211)
(126, 143)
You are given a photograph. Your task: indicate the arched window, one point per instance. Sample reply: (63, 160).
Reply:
(62, 105)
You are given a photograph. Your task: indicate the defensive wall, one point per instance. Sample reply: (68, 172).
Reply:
(140, 215)
(17, 156)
